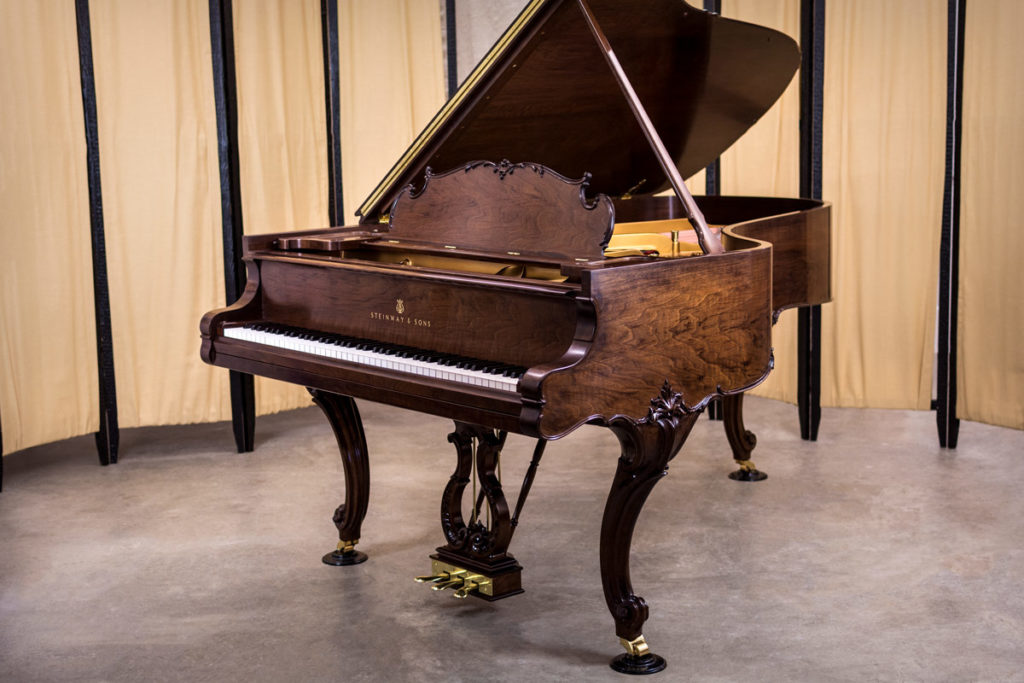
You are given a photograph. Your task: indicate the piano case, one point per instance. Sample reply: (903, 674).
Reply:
(518, 270)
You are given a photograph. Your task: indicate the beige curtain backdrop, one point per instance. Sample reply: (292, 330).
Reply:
(884, 148)
(388, 93)
(48, 387)
(282, 134)
(766, 162)
(991, 353)
(392, 75)
(161, 188)
(161, 203)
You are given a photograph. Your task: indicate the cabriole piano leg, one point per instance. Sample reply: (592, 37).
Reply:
(741, 441)
(343, 415)
(647, 447)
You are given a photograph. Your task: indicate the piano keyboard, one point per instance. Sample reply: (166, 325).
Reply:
(378, 354)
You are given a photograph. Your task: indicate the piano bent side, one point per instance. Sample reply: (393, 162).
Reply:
(701, 324)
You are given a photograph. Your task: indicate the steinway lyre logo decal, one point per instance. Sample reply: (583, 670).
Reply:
(399, 316)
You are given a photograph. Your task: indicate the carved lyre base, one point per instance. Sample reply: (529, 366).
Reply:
(647, 447)
(474, 546)
(343, 415)
(741, 441)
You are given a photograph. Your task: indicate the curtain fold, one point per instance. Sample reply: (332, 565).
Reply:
(884, 145)
(48, 385)
(392, 75)
(161, 200)
(991, 305)
(282, 134)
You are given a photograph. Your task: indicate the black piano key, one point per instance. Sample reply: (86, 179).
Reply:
(495, 368)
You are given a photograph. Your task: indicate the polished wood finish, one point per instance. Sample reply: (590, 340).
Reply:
(800, 234)
(640, 344)
(741, 440)
(550, 97)
(472, 544)
(503, 260)
(710, 337)
(505, 208)
(343, 416)
(798, 230)
(648, 444)
(709, 243)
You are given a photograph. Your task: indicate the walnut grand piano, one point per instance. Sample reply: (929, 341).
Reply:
(536, 295)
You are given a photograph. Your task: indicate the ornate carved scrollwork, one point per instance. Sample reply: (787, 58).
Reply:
(648, 445)
(475, 540)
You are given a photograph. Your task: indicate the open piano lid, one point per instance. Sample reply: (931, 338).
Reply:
(545, 94)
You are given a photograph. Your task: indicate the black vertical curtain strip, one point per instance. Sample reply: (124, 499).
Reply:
(812, 86)
(712, 186)
(332, 99)
(949, 246)
(713, 172)
(243, 401)
(108, 436)
(451, 47)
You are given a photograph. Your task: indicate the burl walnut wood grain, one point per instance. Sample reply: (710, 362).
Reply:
(703, 324)
(505, 207)
(798, 230)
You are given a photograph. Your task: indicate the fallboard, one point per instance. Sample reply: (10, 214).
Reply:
(488, 321)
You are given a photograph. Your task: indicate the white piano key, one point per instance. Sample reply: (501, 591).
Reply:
(373, 359)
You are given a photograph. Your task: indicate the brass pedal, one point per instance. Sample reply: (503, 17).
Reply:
(465, 583)
(439, 576)
(445, 585)
(468, 587)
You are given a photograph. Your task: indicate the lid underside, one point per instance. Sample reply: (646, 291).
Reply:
(545, 94)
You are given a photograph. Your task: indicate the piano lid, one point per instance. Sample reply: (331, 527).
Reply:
(545, 94)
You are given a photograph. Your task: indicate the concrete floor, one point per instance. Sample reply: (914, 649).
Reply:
(870, 555)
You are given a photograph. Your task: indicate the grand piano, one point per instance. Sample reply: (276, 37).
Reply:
(517, 271)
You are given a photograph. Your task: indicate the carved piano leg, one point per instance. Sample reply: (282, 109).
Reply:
(647, 447)
(741, 440)
(343, 415)
(477, 549)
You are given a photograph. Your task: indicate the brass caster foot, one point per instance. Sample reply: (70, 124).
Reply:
(345, 555)
(747, 472)
(638, 665)
(638, 659)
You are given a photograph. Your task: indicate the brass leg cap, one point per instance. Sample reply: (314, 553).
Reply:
(340, 559)
(638, 665)
(345, 555)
